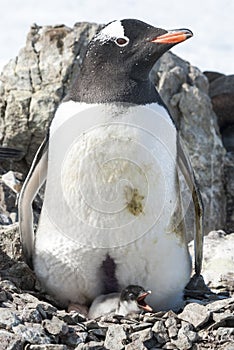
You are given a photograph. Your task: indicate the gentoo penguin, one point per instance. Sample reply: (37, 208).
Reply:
(130, 300)
(112, 213)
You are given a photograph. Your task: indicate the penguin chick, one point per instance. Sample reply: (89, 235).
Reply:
(130, 300)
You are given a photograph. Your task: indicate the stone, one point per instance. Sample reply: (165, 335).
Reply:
(32, 333)
(169, 346)
(71, 318)
(229, 181)
(99, 332)
(3, 296)
(144, 337)
(186, 337)
(185, 91)
(46, 310)
(8, 318)
(160, 332)
(171, 325)
(42, 73)
(91, 346)
(46, 347)
(116, 337)
(196, 314)
(55, 326)
(9, 341)
(30, 315)
(140, 326)
(72, 338)
(218, 260)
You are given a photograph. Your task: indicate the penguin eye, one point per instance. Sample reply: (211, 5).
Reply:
(122, 41)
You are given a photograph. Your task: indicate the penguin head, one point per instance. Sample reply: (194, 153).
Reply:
(132, 47)
(132, 299)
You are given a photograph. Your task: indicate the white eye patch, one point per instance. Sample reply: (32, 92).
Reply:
(114, 31)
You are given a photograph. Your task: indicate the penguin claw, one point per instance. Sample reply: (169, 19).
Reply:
(81, 309)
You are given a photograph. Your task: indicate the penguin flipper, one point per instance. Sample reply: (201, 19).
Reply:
(188, 173)
(33, 182)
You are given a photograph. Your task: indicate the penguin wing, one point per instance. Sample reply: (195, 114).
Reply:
(33, 182)
(188, 173)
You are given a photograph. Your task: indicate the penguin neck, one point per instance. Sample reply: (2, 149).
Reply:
(97, 86)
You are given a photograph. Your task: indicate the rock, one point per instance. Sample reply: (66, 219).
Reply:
(136, 345)
(144, 338)
(8, 319)
(55, 326)
(10, 179)
(71, 318)
(229, 181)
(10, 246)
(72, 338)
(185, 91)
(32, 333)
(196, 314)
(46, 347)
(218, 261)
(172, 327)
(10, 341)
(160, 332)
(186, 337)
(31, 315)
(91, 346)
(211, 76)
(42, 72)
(116, 337)
(220, 305)
(221, 91)
(46, 309)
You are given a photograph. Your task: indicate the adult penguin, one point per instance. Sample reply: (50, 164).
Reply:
(112, 212)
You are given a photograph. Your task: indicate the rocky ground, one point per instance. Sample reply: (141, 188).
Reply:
(30, 319)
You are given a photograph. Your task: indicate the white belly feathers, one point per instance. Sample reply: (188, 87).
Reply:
(111, 189)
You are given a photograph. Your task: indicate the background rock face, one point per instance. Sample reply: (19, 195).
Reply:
(34, 83)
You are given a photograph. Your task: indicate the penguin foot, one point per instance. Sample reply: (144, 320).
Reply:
(81, 309)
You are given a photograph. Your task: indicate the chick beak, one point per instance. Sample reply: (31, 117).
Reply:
(141, 301)
(173, 36)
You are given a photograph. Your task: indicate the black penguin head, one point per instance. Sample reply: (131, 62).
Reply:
(118, 62)
(132, 298)
(132, 46)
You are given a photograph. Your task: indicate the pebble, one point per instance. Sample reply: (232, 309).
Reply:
(186, 337)
(8, 318)
(55, 326)
(195, 314)
(115, 337)
(160, 332)
(46, 347)
(10, 341)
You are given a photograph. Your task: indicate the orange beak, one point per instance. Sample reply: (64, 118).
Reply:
(173, 37)
(141, 302)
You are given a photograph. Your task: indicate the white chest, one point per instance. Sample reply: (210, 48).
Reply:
(111, 191)
(114, 171)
